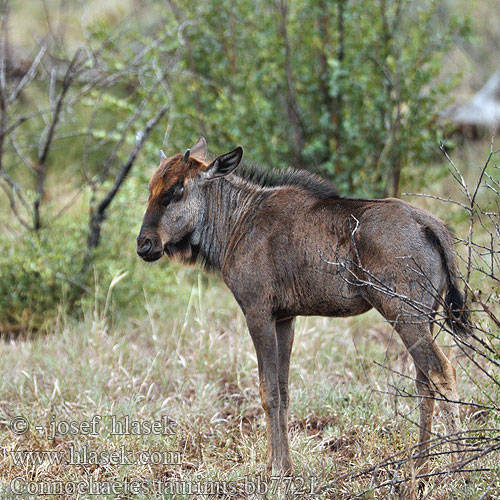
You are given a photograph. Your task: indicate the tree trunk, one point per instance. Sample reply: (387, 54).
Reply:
(294, 118)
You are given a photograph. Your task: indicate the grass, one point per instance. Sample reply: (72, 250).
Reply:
(194, 363)
(182, 351)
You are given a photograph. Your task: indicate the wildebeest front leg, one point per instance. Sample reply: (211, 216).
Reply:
(263, 335)
(284, 335)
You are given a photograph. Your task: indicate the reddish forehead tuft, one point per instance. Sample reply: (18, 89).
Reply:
(171, 171)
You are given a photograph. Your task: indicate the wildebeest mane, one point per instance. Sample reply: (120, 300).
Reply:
(303, 179)
(274, 177)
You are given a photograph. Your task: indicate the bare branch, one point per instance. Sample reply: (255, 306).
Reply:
(47, 136)
(434, 197)
(12, 201)
(133, 118)
(99, 215)
(28, 76)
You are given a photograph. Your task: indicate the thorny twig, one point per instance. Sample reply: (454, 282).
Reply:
(481, 264)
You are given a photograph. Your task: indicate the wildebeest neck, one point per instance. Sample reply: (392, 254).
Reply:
(231, 204)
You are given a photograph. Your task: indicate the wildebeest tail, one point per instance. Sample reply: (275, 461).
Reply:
(457, 316)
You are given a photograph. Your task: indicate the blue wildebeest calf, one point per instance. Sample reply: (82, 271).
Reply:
(289, 245)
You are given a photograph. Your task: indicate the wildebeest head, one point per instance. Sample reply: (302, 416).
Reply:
(177, 203)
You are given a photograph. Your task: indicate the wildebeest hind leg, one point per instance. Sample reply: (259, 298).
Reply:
(434, 367)
(426, 404)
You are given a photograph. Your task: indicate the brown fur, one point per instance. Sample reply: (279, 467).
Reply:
(288, 246)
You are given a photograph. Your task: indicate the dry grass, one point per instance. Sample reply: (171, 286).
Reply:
(189, 357)
(195, 363)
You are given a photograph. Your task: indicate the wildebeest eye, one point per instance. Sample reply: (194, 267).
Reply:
(172, 195)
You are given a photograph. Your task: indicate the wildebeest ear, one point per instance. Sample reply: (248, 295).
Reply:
(199, 150)
(224, 164)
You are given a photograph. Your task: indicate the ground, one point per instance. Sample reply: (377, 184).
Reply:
(193, 363)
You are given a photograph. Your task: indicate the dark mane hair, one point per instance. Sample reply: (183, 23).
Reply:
(287, 177)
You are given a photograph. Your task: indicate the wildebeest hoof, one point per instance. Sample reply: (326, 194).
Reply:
(279, 469)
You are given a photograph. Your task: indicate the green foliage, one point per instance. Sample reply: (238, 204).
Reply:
(117, 255)
(37, 275)
(41, 273)
(349, 89)
(366, 87)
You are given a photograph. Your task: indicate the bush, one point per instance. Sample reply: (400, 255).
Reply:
(41, 272)
(38, 275)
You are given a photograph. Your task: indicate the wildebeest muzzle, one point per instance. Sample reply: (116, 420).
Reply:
(149, 247)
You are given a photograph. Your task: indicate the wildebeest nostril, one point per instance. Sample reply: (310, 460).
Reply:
(145, 247)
